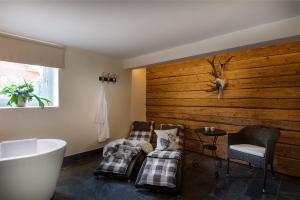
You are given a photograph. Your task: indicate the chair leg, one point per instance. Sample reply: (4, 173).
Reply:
(272, 170)
(228, 160)
(265, 178)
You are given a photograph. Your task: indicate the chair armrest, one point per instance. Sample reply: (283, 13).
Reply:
(235, 138)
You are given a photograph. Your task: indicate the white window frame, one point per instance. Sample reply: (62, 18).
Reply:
(52, 92)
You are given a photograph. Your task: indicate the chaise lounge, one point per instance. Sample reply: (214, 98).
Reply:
(162, 169)
(121, 157)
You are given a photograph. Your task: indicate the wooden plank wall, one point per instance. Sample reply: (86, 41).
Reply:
(263, 88)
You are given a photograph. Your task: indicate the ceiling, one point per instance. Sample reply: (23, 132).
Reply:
(127, 29)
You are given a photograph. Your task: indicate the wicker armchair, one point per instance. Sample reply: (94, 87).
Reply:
(255, 145)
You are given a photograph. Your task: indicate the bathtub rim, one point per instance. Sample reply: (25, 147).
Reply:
(61, 145)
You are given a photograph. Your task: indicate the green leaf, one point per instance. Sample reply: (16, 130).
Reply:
(25, 91)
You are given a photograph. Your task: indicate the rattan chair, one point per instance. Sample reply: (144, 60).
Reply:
(255, 145)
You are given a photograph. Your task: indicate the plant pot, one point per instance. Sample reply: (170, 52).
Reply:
(21, 102)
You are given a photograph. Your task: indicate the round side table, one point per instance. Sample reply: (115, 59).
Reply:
(212, 147)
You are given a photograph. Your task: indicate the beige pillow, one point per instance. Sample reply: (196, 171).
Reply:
(167, 139)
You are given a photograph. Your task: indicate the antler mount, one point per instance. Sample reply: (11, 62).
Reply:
(219, 82)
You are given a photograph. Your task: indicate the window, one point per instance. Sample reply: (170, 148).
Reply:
(44, 80)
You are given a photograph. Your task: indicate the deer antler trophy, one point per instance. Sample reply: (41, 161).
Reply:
(220, 82)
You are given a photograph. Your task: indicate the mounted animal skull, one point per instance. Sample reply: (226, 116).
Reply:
(219, 82)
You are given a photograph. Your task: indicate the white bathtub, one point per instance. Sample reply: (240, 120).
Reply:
(29, 169)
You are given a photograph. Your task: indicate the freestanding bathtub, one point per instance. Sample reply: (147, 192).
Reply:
(29, 168)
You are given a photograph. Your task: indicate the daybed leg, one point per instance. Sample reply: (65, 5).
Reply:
(250, 165)
(179, 196)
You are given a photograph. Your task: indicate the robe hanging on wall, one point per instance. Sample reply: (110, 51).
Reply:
(102, 116)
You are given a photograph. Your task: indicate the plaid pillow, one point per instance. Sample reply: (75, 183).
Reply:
(165, 154)
(159, 172)
(140, 135)
(144, 134)
(141, 126)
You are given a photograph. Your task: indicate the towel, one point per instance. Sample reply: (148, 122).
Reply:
(102, 116)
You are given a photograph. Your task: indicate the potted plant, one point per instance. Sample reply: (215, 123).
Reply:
(21, 94)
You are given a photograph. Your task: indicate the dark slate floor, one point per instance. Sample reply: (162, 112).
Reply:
(77, 182)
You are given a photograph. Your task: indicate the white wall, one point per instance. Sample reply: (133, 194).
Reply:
(138, 94)
(74, 119)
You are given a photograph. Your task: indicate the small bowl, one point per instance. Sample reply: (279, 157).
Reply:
(212, 129)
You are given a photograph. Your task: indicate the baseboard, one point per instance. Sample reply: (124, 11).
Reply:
(80, 156)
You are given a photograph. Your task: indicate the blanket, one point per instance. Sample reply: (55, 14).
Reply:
(113, 146)
(118, 154)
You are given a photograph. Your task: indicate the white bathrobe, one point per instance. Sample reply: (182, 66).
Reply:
(102, 115)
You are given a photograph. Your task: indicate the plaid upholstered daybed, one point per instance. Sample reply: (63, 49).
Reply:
(122, 156)
(162, 169)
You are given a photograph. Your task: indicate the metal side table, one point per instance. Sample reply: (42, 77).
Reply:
(212, 147)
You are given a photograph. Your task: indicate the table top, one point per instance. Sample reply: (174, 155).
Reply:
(216, 132)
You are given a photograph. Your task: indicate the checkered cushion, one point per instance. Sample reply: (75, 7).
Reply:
(165, 154)
(114, 165)
(141, 132)
(140, 135)
(159, 172)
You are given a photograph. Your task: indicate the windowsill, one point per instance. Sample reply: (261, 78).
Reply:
(28, 107)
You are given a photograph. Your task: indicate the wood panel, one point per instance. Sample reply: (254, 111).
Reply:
(263, 88)
(263, 72)
(236, 103)
(187, 68)
(264, 82)
(276, 114)
(271, 93)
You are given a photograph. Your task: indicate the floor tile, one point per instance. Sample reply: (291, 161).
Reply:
(78, 183)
